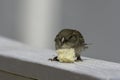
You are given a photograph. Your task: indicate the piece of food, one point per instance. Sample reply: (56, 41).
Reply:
(66, 55)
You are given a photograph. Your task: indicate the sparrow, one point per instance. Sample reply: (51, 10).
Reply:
(70, 38)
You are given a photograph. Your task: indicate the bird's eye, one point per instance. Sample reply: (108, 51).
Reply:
(72, 38)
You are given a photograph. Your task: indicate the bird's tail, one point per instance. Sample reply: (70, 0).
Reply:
(86, 45)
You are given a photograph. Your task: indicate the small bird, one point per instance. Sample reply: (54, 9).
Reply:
(69, 38)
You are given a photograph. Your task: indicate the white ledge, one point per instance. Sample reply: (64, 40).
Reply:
(16, 58)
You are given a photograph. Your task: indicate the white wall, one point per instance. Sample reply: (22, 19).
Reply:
(99, 22)
(41, 22)
(34, 22)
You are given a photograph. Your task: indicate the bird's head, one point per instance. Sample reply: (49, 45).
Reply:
(68, 38)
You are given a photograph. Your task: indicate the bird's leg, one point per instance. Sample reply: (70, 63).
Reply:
(54, 59)
(79, 59)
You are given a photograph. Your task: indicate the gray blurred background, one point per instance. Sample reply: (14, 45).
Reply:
(36, 22)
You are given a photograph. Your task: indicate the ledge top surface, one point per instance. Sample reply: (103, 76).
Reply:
(92, 67)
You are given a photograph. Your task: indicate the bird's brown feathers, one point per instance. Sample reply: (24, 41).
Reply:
(69, 38)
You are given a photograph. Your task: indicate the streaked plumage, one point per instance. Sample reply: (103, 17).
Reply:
(69, 38)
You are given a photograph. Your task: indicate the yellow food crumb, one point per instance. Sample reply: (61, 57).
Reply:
(66, 55)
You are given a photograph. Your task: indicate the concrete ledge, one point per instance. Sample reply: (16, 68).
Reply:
(21, 60)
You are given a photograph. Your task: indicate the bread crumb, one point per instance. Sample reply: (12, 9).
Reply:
(66, 55)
